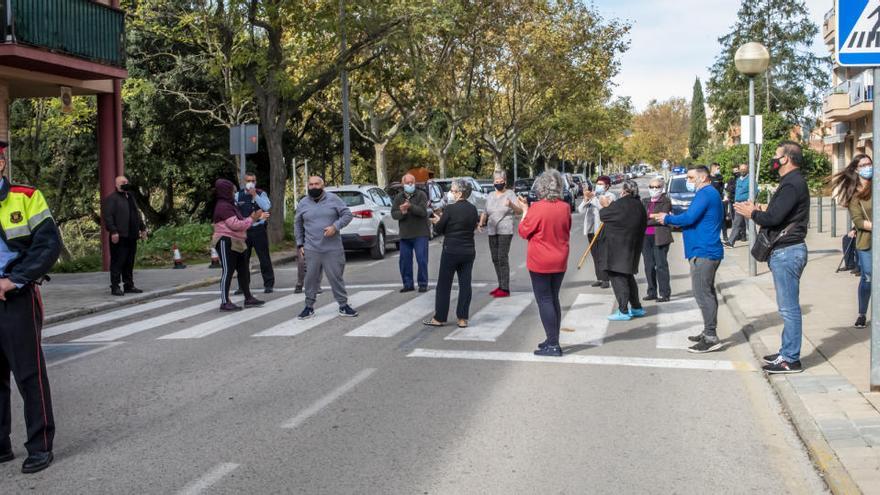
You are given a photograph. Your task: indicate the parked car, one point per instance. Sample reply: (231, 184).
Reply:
(436, 197)
(566, 194)
(487, 185)
(477, 197)
(677, 191)
(523, 186)
(572, 185)
(372, 228)
(582, 182)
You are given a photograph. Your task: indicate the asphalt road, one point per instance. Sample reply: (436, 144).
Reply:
(178, 398)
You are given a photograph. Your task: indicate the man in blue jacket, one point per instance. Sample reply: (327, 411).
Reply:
(741, 194)
(701, 228)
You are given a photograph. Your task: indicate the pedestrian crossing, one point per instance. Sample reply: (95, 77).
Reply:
(183, 317)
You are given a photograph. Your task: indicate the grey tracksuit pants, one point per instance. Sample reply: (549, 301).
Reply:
(703, 282)
(332, 264)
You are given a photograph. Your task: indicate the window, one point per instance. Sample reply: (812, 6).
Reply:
(678, 185)
(351, 198)
(386, 200)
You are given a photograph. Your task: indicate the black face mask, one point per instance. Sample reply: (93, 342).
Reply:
(776, 164)
(125, 187)
(316, 193)
(500, 187)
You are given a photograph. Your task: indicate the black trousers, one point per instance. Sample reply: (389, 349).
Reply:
(122, 256)
(626, 290)
(21, 322)
(450, 265)
(546, 288)
(258, 240)
(231, 262)
(656, 267)
(601, 275)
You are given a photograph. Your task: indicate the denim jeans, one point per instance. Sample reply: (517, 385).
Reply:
(787, 265)
(420, 246)
(865, 280)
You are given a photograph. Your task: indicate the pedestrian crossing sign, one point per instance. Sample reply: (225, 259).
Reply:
(858, 32)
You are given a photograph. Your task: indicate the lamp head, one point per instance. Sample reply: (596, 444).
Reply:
(752, 59)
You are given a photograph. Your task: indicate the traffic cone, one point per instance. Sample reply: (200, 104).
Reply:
(178, 259)
(215, 259)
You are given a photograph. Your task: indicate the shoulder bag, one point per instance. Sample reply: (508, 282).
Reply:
(764, 245)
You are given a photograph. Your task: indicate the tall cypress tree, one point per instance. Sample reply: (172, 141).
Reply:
(699, 133)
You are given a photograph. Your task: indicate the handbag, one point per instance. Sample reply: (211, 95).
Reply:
(764, 245)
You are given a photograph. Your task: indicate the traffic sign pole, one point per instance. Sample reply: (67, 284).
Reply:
(753, 182)
(241, 156)
(875, 246)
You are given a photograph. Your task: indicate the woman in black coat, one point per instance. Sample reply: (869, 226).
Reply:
(658, 237)
(622, 238)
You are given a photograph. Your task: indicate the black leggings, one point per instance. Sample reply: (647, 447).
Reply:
(546, 288)
(233, 262)
(450, 265)
(626, 290)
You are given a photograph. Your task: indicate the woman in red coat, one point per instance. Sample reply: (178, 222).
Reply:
(546, 225)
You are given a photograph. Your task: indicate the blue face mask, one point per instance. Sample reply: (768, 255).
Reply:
(600, 189)
(866, 172)
(691, 187)
(409, 188)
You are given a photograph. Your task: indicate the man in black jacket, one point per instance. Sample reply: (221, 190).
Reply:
(785, 222)
(123, 220)
(410, 209)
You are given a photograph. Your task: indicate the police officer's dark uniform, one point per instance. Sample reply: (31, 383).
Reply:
(29, 246)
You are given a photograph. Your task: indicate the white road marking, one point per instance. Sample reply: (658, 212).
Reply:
(396, 285)
(588, 317)
(490, 322)
(401, 318)
(231, 320)
(323, 314)
(528, 357)
(208, 479)
(328, 399)
(105, 317)
(676, 321)
(79, 355)
(150, 323)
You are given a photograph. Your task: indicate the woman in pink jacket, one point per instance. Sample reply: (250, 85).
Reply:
(230, 239)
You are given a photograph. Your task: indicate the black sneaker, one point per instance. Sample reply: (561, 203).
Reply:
(298, 289)
(696, 338)
(268, 290)
(116, 291)
(423, 289)
(132, 290)
(542, 345)
(550, 350)
(597, 283)
(407, 289)
(663, 299)
(782, 366)
(704, 346)
(860, 322)
(230, 307)
(347, 311)
(307, 313)
(605, 284)
(649, 297)
(253, 303)
(770, 358)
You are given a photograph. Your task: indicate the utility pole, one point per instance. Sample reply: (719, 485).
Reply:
(346, 119)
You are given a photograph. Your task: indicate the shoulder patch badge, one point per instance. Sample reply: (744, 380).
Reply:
(15, 217)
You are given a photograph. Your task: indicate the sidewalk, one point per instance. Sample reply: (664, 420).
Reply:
(69, 295)
(830, 403)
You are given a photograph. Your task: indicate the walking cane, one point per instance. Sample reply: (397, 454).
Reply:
(590, 247)
(845, 254)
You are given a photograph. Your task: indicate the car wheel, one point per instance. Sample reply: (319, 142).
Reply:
(377, 252)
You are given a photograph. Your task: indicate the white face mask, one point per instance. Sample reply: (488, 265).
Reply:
(450, 196)
(655, 193)
(250, 185)
(600, 189)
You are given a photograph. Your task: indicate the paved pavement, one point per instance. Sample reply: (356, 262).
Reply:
(172, 396)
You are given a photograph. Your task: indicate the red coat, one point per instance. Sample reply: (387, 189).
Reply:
(547, 227)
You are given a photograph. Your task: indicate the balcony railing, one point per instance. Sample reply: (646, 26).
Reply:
(81, 28)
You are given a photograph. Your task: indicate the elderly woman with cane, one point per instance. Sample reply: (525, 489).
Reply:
(622, 239)
(546, 225)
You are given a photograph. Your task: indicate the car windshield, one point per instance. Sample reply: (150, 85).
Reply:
(444, 185)
(678, 185)
(350, 198)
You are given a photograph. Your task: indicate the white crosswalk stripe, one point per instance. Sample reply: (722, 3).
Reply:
(231, 320)
(491, 322)
(394, 322)
(150, 323)
(116, 314)
(676, 321)
(588, 317)
(322, 315)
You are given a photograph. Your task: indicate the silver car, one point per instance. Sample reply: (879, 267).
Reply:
(477, 197)
(372, 228)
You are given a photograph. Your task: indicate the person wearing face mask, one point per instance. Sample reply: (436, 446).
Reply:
(658, 237)
(785, 222)
(320, 217)
(741, 194)
(410, 209)
(501, 207)
(853, 187)
(701, 230)
(230, 240)
(590, 206)
(249, 200)
(123, 221)
(623, 237)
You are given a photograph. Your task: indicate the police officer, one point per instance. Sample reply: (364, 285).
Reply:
(29, 246)
(248, 200)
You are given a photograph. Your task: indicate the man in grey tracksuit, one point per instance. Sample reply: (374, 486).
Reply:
(319, 218)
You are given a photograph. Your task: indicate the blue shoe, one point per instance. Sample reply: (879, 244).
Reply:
(347, 311)
(637, 313)
(618, 316)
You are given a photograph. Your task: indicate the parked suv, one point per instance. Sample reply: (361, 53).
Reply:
(372, 228)
(477, 197)
(677, 191)
(435, 194)
(566, 194)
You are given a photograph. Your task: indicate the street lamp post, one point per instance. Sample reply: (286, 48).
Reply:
(752, 59)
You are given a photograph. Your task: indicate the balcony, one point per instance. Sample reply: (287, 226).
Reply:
(849, 100)
(829, 27)
(80, 39)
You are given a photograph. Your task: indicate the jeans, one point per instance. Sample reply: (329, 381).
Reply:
(546, 288)
(703, 282)
(626, 290)
(420, 246)
(656, 267)
(864, 281)
(738, 228)
(450, 264)
(787, 265)
(499, 248)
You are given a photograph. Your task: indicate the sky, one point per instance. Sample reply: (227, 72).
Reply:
(672, 42)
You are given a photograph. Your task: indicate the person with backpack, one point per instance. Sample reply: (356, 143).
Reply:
(852, 187)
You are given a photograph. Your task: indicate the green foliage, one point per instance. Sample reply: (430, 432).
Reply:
(193, 240)
(88, 263)
(699, 132)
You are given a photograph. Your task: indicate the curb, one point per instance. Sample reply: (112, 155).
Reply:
(832, 470)
(148, 296)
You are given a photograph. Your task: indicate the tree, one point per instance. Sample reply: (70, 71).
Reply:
(792, 86)
(660, 132)
(699, 134)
